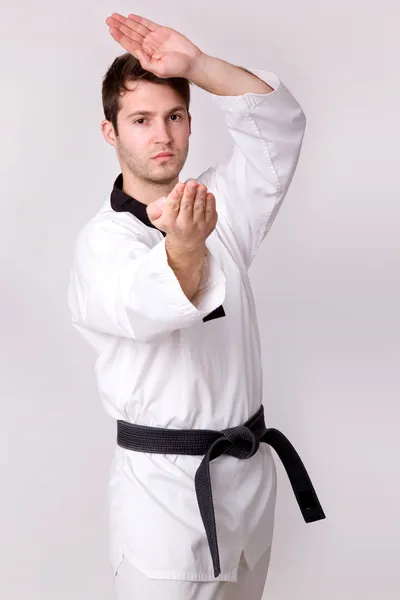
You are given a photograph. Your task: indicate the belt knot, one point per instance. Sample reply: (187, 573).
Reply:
(244, 442)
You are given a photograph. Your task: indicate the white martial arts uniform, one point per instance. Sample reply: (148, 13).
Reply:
(167, 362)
(131, 584)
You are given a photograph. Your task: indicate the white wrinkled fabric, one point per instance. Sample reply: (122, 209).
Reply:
(159, 364)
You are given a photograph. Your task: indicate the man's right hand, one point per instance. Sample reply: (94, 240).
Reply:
(188, 214)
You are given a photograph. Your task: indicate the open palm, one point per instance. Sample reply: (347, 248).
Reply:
(160, 50)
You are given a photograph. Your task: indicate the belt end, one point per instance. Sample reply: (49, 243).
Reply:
(313, 513)
(310, 506)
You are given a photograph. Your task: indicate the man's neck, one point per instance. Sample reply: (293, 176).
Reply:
(145, 192)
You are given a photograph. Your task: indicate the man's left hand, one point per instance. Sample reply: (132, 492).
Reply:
(160, 50)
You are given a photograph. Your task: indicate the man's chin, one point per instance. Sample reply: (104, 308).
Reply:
(164, 175)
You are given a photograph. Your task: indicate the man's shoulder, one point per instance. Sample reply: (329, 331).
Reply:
(108, 221)
(105, 231)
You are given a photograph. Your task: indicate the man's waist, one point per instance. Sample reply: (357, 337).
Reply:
(241, 442)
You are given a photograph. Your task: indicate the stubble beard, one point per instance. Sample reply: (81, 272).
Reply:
(148, 170)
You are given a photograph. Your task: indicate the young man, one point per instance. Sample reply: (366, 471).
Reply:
(159, 287)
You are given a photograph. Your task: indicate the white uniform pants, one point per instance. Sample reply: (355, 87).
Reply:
(131, 584)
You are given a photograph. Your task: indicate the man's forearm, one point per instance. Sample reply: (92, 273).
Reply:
(187, 264)
(224, 79)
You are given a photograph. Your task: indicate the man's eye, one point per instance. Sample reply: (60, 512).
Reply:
(143, 119)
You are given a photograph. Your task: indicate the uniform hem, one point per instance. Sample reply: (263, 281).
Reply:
(176, 575)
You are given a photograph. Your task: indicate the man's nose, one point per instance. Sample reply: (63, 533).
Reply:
(162, 133)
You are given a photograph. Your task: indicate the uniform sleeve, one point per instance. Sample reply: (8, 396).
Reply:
(251, 182)
(121, 287)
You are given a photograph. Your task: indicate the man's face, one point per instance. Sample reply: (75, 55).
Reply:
(142, 136)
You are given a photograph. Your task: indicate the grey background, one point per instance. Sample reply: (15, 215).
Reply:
(326, 282)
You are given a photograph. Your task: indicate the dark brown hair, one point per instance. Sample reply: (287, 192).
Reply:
(126, 68)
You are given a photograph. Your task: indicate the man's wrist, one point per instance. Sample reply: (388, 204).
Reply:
(181, 248)
(198, 68)
(187, 264)
(222, 78)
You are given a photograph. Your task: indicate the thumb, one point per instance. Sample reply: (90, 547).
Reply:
(155, 209)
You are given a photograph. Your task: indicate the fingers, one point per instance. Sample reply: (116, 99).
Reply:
(210, 210)
(166, 207)
(146, 24)
(199, 204)
(188, 199)
(125, 27)
(187, 205)
(174, 198)
(142, 27)
(173, 203)
(137, 27)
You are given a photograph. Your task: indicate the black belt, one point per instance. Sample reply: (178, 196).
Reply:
(240, 442)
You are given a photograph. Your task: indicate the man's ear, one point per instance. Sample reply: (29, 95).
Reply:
(108, 132)
(190, 123)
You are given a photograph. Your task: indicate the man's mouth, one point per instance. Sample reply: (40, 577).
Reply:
(163, 155)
